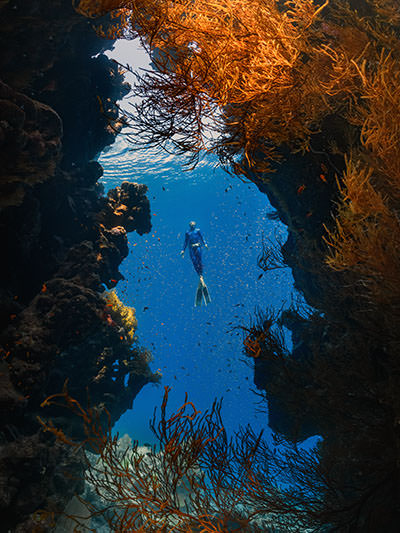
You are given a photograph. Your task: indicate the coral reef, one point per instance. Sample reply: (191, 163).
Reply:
(61, 244)
(195, 478)
(123, 315)
(127, 206)
(30, 138)
(308, 90)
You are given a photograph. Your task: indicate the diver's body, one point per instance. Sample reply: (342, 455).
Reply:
(194, 240)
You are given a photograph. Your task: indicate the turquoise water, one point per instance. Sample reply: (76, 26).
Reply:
(197, 350)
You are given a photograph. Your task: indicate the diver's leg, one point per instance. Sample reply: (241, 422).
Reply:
(195, 256)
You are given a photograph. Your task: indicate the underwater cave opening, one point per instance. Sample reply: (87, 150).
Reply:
(196, 349)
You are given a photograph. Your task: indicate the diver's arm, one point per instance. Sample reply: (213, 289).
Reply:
(185, 244)
(203, 242)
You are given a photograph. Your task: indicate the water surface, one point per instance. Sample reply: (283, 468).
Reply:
(198, 350)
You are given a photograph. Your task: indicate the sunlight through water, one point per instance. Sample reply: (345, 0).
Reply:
(197, 350)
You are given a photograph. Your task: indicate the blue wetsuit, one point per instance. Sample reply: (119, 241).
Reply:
(194, 237)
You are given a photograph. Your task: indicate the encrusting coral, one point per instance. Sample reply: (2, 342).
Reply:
(123, 315)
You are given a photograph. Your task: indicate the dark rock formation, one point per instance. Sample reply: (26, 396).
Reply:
(30, 139)
(62, 243)
(127, 206)
(303, 191)
(339, 379)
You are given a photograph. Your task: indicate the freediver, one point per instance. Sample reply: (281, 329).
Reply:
(194, 241)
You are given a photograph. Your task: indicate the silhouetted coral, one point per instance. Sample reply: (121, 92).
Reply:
(30, 140)
(196, 479)
(57, 112)
(127, 206)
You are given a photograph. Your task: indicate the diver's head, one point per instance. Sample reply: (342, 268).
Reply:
(192, 224)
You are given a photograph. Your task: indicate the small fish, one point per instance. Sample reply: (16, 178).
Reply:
(145, 308)
(261, 275)
(301, 189)
(100, 103)
(323, 178)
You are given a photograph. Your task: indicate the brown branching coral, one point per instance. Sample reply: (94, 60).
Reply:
(260, 337)
(270, 257)
(258, 74)
(245, 78)
(90, 417)
(333, 384)
(366, 241)
(200, 480)
(388, 10)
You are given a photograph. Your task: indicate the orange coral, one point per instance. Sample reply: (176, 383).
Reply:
(269, 74)
(253, 344)
(199, 481)
(366, 238)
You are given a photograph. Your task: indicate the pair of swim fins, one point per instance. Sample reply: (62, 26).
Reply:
(202, 294)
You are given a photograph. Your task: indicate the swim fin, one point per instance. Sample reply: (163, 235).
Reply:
(206, 294)
(199, 294)
(202, 292)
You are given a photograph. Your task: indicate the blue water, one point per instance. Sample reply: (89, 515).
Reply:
(196, 349)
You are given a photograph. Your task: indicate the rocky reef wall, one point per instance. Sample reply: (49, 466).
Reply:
(62, 242)
(338, 378)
